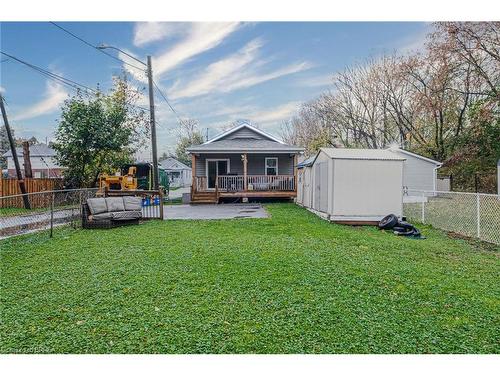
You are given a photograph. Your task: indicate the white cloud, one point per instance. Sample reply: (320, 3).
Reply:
(236, 71)
(138, 74)
(217, 73)
(2, 89)
(148, 32)
(282, 112)
(55, 95)
(316, 81)
(415, 42)
(199, 37)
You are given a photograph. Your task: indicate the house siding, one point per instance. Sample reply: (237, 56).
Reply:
(244, 133)
(256, 163)
(418, 174)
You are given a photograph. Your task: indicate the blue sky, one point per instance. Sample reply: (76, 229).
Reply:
(216, 73)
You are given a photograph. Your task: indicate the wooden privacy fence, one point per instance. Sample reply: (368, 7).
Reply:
(10, 186)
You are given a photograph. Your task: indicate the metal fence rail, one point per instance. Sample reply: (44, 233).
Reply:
(48, 209)
(470, 214)
(59, 207)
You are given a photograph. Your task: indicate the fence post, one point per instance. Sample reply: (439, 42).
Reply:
(423, 207)
(161, 204)
(478, 215)
(52, 214)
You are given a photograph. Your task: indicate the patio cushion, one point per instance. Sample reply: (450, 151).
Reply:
(101, 217)
(132, 203)
(115, 204)
(126, 215)
(97, 205)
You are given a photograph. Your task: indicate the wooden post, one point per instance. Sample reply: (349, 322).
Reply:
(160, 194)
(28, 173)
(193, 172)
(295, 172)
(245, 181)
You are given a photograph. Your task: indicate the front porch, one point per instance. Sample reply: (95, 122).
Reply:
(227, 177)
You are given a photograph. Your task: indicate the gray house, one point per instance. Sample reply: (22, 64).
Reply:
(243, 162)
(419, 172)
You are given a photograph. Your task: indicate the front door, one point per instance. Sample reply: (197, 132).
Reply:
(215, 168)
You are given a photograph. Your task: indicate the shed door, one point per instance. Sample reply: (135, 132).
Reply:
(321, 187)
(323, 200)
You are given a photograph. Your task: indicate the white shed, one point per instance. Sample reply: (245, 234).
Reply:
(419, 172)
(354, 185)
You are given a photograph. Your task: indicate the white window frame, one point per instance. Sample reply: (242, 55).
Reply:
(265, 165)
(206, 168)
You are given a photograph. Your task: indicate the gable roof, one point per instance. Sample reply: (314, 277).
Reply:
(173, 163)
(359, 154)
(307, 162)
(39, 149)
(397, 149)
(243, 126)
(250, 139)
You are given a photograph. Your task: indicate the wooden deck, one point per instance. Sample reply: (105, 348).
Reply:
(281, 186)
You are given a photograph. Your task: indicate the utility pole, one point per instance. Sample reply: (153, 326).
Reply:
(28, 172)
(152, 122)
(20, 179)
(156, 184)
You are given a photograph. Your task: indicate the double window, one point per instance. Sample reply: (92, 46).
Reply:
(271, 166)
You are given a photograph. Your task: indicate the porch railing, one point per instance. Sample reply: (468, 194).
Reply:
(253, 183)
(265, 183)
(230, 183)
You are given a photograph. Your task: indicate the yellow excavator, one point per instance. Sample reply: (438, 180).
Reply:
(127, 181)
(138, 176)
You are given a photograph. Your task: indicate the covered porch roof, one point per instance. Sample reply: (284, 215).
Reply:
(244, 146)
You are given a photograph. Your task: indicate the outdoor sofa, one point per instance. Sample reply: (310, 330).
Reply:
(111, 212)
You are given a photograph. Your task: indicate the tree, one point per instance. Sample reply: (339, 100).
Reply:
(99, 134)
(4, 145)
(189, 135)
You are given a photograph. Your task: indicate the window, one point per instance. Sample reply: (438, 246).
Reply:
(271, 166)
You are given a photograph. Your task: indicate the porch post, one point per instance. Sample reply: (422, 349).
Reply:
(245, 182)
(295, 158)
(193, 171)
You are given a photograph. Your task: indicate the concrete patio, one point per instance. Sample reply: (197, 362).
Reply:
(214, 211)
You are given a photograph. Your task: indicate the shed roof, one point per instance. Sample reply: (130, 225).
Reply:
(409, 153)
(40, 149)
(361, 154)
(307, 162)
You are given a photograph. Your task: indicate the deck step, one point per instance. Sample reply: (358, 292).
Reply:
(204, 201)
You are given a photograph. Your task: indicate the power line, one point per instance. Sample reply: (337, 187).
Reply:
(167, 101)
(93, 46)
(60, 79)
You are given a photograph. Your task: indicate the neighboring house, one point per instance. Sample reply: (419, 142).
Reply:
(243, 162)
(179, 174)
(419, 172)
(352, 185)
(43, 162)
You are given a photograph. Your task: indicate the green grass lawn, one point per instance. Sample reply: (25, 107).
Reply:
(289, 284)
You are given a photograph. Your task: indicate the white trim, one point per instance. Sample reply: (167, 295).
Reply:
(415, 155)
(265, 165)
(219, 159)
(230, 131)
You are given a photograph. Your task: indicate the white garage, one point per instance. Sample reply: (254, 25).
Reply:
(352, 185)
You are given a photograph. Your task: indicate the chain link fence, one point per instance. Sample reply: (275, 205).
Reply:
(49, 209)
(469, 214)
